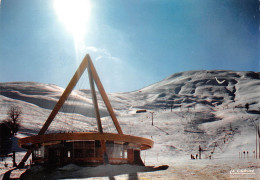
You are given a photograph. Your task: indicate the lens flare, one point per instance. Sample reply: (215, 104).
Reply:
(75, 15)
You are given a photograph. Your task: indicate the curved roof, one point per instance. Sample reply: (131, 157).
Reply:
(144, 143)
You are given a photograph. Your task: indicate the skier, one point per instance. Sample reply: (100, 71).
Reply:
(200, 152)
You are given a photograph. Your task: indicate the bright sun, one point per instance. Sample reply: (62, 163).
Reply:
(75, 15)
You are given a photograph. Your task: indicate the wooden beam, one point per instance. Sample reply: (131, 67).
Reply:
(65, 94)
(94, 98)
(95, 103)
(59, 104)
(104, 96)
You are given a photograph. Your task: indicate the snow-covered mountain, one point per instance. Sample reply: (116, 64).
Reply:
(194, 88)
(208, 109)
(189, 109)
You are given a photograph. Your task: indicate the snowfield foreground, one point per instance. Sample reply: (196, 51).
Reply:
(185, 111)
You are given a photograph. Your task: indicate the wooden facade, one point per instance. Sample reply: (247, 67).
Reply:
(85, 148)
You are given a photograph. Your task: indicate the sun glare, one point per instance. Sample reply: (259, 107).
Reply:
(75, 15)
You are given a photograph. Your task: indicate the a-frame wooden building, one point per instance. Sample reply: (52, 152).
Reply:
(84, 148)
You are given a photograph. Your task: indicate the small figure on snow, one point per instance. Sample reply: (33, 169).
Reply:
(200, 152)
(192, 157)
(247, 106)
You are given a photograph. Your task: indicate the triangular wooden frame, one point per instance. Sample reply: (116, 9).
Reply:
(93, 78)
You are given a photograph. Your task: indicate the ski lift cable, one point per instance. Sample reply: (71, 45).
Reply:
(69, 108)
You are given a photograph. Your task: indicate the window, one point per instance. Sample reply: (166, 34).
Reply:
(68, 153)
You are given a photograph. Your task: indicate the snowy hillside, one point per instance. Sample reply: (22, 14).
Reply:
(189, 109)
(207, 107)
(37, 101)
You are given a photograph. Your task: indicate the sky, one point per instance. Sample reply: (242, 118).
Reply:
(133, 43)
